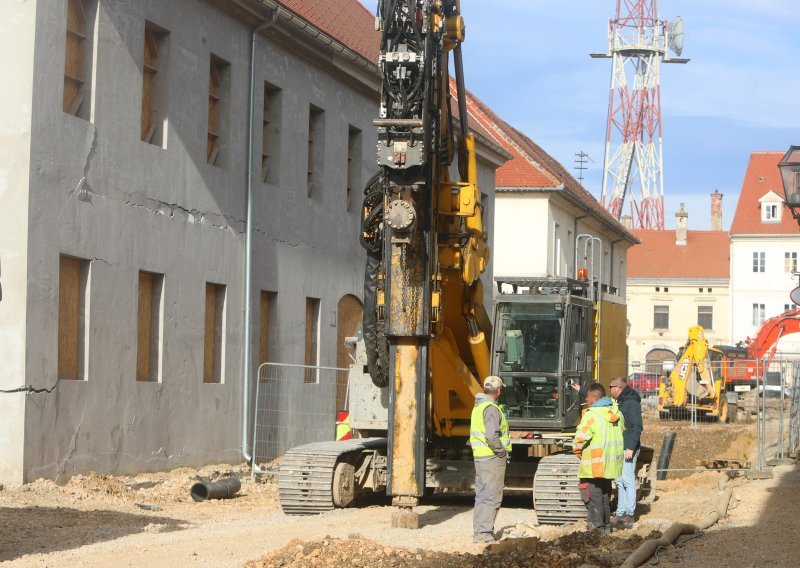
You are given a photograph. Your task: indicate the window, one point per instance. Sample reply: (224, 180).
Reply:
(705, 317)
(149, 329)
(214, 344)
(790, 262)
(312, 338)
(270, 134)
(218, 85)
(658, 289)
(316, 138)
(787, 307)
(758, 261)
(758, 314)
(770, 213)
(666, 289)
(73, 314)
(78, 57)
(661, 317)
(266, 323)
(353, 165)
(708, 290)
(154, 103)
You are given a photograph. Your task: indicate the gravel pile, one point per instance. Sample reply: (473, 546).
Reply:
(578, 550)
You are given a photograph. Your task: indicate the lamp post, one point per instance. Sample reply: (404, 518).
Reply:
(789, 167)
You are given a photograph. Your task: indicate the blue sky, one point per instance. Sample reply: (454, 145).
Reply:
(529, 61)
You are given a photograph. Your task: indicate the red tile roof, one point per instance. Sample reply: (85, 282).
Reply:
(706, 254)
(346, 21)
(761, 177)
(531, 167)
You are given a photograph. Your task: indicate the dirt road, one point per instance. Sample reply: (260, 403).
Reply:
(95, 521)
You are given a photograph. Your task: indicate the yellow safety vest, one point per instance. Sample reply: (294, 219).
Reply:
(603, 456)
(477, 432)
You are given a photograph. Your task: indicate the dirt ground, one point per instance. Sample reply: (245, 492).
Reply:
(150, 520)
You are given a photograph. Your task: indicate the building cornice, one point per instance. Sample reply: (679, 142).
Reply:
(679, 281)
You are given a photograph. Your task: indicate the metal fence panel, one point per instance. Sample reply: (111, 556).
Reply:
(294, 405)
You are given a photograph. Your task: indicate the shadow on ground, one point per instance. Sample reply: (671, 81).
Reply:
(40, 530)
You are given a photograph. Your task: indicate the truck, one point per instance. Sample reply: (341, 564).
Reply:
(427, 340)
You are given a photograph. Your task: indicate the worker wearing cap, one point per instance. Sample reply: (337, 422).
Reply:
(491, 447)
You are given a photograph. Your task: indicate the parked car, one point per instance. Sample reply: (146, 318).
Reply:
(644, 382)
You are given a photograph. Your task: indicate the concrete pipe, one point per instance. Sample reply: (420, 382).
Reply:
(222, 489)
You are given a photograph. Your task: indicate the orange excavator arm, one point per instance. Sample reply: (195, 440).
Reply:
(766, 339)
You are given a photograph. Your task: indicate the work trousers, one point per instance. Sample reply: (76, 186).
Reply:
(489, 479)
(596, 495)
(626, 488)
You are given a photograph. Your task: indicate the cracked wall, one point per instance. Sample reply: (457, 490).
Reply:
(99, 193)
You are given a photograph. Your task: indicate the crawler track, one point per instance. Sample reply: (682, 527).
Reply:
(556, 498)
(305, 482)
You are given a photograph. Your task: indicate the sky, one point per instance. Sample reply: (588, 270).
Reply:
(740, 93)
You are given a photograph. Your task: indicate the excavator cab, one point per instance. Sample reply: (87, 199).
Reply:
(541, 342)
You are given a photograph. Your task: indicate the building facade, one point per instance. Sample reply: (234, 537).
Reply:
(677, 279)
(765, 244)
(125, 203)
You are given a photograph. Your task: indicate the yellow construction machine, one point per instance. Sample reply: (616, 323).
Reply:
(692, 389)
(426, 333)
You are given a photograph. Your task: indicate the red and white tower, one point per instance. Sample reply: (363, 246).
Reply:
(637, 44)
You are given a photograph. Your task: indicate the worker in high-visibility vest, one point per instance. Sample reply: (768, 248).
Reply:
(599, 444)
(491, 450)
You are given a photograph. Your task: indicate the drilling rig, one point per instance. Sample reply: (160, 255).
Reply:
(426, 330)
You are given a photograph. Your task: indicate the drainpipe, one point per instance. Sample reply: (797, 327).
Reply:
(248, 247)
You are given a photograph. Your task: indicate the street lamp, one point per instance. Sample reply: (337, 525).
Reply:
(790, 175)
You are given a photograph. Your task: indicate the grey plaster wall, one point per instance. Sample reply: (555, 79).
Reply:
(97, 192)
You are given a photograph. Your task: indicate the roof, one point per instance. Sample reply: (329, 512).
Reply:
(706, 254)
(346, 21)
(531, 168)
(761, 177)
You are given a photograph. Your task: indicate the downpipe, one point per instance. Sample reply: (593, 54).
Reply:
(248, 248)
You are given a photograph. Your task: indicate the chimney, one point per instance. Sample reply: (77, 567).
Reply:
(627, 221)
(716, 211)
(681, 226)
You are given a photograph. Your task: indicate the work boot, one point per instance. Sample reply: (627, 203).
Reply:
(483, 538)
(627, 521)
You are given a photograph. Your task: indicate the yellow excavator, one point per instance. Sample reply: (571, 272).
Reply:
(692, 387)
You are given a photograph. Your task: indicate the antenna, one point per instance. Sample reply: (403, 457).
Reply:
(675, 34)
(638, 43)
(581, 165)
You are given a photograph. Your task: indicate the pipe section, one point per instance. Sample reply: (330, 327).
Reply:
(222, 489)
(666, 455)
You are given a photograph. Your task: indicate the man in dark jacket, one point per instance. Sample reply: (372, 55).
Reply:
(630, 405)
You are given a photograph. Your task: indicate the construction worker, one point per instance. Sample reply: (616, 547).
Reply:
(630, 405)
(491, 449)
(599, 445)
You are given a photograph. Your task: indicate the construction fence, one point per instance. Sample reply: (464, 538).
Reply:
(759, 429)
(294, 405)
(298, 404)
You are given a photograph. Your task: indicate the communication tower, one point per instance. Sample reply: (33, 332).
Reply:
(637, 44)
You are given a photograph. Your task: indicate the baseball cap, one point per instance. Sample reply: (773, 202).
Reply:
(492, 383)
